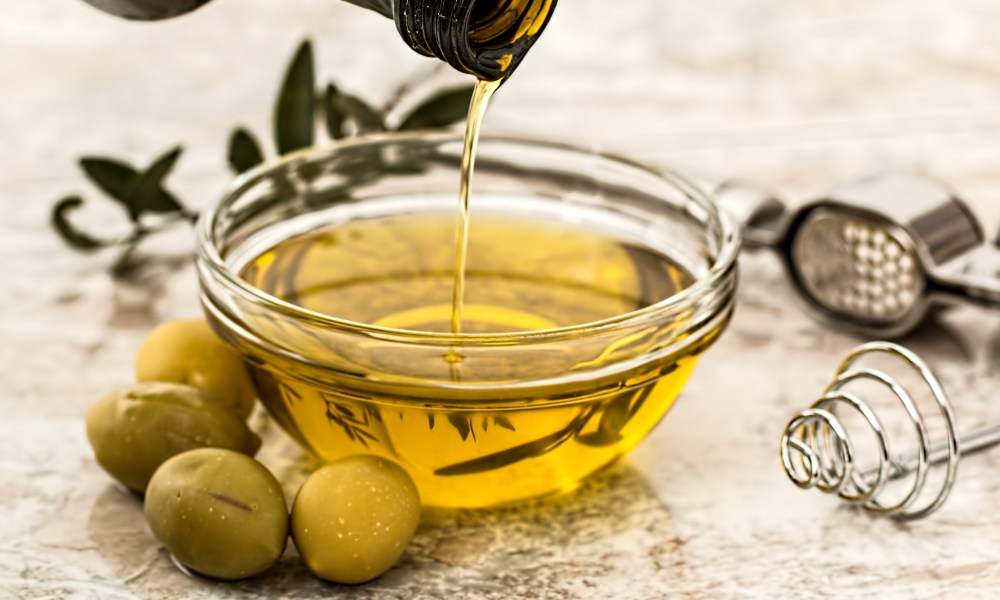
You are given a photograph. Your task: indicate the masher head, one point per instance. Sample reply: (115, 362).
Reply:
(869, 254)
(857, 268)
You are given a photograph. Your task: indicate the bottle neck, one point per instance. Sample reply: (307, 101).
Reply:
(486, 38)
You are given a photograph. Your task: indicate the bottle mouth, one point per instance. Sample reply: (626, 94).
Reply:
(486, 38)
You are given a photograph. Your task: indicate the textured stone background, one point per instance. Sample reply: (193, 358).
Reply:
(796, 95)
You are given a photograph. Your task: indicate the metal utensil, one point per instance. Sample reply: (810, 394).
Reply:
(876, 255)
(817, 449)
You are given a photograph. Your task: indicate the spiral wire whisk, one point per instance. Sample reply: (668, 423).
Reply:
(817, 449)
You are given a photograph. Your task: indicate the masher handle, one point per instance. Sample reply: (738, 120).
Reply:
(757, 211)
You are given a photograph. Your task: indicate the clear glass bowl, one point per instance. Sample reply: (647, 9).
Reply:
(534, 412)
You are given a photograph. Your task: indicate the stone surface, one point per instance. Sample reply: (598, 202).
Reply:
(798, 96)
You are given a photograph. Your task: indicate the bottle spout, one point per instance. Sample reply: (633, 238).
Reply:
(486, 38)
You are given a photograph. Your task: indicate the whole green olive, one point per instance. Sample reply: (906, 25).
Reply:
(218, 512)
(135, 429)
(189, 352)
(353, 518)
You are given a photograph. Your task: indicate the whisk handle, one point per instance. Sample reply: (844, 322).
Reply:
(970, 443)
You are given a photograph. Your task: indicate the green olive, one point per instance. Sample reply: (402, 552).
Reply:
(189, 352)
(218, 512)
(353, 518)
(135, 429)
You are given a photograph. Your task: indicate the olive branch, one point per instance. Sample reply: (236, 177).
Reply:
(151, 208)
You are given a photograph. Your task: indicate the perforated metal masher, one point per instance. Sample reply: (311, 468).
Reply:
(877, 255)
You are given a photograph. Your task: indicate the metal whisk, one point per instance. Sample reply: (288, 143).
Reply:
(875, 255)
(817, 449)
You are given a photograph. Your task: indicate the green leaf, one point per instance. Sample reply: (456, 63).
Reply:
(364, 116)
(510, 456)
(67, 231)
(294, 117)
(341, 108)
(116, 178)
(244, 151)
(136, 192)
(447, 108)
(504, 422)
(505, 458)
(342, 416)
(334, 114)
(149, 194)
(463, 425)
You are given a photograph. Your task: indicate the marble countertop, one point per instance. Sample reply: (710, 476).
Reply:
(798, 96)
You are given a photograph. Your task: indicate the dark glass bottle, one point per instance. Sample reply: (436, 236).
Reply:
(486, 38)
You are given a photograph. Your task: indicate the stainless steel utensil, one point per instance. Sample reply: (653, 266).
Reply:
(817, 449)
(876, 255)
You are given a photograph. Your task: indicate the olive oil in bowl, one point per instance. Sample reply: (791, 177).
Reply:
(591, 286)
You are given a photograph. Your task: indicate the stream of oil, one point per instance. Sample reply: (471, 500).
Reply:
(481, 96)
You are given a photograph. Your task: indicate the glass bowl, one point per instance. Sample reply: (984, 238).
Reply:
(528, 412)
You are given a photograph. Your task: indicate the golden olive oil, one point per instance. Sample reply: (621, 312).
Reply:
(522, 273)
(481, 96)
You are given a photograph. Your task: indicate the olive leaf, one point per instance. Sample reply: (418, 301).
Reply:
(364, 116)
(294, 114)
(504, 422)
(442, 110)
(334, 115)
(289, 393)
(137, 192)
(354, 428)
(149, 195)
(67, 231)
(463, 425)
(614, 418)
(244, 151)
(516, 454)
(141, 193)
(615, 415)
(114, 177)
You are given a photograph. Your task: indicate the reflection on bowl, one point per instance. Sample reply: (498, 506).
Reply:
(593, 285)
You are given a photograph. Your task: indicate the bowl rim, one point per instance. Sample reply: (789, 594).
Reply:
(720, 271)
